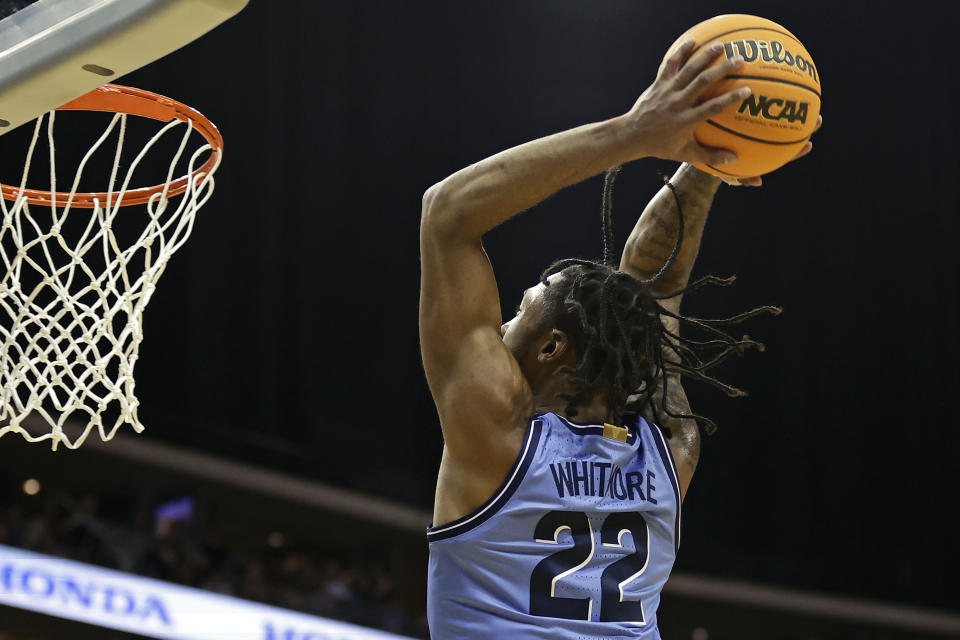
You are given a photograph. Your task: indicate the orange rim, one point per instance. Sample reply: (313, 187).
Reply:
(116, 98)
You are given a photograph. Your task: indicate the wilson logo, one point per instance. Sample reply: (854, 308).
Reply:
(775, 108)
(773, 51)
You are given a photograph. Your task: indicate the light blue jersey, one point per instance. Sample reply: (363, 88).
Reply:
(576, 544)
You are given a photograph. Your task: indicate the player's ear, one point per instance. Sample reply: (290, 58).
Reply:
(555, 346)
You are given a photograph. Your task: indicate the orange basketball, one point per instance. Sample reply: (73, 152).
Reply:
(768, 128)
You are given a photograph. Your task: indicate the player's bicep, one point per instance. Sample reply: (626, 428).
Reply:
(474, 379)
(458, 296)
(459, 309)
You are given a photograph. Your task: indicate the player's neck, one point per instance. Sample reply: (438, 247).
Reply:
(594, 408)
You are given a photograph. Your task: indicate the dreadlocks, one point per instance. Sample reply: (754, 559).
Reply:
(615, 322)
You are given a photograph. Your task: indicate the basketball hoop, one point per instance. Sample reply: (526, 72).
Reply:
(74, 298)
(118, 99)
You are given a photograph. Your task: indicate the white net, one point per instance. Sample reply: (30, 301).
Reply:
(75, 285)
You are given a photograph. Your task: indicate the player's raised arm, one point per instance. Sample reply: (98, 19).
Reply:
(476, 382)
(482, 396)
(647, 250)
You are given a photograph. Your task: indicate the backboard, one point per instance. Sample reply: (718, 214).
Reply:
(52, 51)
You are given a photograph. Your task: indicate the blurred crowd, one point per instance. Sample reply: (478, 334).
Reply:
(138, 538)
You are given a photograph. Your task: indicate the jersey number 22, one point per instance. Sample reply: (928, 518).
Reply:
(556, 566)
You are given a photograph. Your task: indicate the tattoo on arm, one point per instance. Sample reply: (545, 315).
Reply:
(655, 234)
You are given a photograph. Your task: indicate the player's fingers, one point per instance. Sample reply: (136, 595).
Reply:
(697, 63)
(706, 78)
(804, 150)
(673, 62)
(743, 182)
(713, 155)
(819, 123)
(715, 105)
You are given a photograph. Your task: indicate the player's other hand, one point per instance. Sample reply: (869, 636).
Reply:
(757, 181)
(665, 115)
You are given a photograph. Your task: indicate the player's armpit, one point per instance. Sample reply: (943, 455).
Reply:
(684, 435)
(684, 432)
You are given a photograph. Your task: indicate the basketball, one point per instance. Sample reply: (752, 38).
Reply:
(769, 127)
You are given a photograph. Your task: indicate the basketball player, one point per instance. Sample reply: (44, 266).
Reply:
(557, 510)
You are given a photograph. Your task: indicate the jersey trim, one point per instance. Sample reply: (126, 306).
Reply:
(482, 513)
(594, 429)
(664, 447)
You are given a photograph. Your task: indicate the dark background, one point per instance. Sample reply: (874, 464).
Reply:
(285, 332)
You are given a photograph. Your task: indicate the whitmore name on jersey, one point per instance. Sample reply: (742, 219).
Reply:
(602, 479)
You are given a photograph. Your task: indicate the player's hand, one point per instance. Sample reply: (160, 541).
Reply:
(664, 117)
(757, 180)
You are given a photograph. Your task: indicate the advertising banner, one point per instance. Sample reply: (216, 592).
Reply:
(153, 608)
